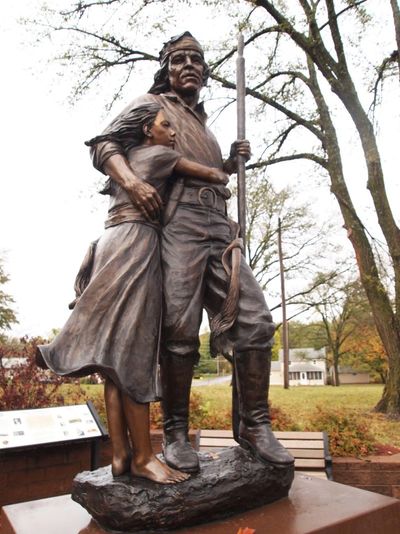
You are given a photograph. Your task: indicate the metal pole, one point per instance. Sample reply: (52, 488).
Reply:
(241, 134)
(285, 336)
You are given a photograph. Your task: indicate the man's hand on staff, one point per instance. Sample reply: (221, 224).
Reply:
(143, 196)
(241, 147)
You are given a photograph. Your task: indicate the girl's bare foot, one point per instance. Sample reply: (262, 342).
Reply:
(120, 465)
(155, 470)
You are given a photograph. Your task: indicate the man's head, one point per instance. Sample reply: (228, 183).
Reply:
(183, 68)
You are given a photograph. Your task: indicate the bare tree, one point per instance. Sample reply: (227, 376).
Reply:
(7, 314)
(339, 302)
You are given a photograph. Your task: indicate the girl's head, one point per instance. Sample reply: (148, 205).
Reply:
(159, 131)
(145, 124)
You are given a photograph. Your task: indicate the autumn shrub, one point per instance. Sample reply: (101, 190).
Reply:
(197, 412)
(208, 415)
(26, 386)
(280, 420)
(348, 436)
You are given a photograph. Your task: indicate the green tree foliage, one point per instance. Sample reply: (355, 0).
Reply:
(7, 314)
(340, 303)
(304, 335)
(276, 347)
(208, 364)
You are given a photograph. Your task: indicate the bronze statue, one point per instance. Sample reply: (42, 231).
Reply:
(195, 236)
(114, 328)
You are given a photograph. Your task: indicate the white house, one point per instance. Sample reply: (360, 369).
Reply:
(8, 363)
(307, 367)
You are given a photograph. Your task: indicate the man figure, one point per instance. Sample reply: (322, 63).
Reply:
(195, 236)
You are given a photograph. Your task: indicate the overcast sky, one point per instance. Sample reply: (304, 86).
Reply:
(49, 211)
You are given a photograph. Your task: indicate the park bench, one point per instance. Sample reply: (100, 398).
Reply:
(310, 449)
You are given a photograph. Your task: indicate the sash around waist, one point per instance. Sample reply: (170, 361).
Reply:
(128, 213)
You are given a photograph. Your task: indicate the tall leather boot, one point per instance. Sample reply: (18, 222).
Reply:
(176, 378)
(255, 433)
(235, 406)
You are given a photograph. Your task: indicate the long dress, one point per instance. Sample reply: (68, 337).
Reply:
(114, 328)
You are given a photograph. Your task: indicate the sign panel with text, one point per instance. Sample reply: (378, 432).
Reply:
(22, 428)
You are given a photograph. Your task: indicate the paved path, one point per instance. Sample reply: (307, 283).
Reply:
(212, 381)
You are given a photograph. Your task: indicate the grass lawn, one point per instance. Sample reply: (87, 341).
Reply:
(300, 402)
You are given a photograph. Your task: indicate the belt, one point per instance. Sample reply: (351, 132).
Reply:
(203, 196)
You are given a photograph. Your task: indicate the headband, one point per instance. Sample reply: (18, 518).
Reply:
(185, 41)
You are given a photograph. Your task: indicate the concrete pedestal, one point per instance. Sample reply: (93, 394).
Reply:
(313, 505)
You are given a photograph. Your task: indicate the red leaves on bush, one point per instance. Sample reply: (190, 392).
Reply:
(25, 385)
(347, 435)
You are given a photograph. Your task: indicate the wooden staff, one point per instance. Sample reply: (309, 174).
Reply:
(241, 134)
(285, 328)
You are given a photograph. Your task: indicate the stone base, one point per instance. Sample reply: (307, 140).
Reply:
(229, 482)
(314, 506)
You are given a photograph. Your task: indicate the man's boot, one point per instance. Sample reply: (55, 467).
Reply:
(176, 377)
(235, 406)
(252, 375)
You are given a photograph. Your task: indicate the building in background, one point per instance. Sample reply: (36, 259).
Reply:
(307, 367)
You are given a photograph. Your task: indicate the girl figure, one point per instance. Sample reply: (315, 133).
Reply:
(115, 325)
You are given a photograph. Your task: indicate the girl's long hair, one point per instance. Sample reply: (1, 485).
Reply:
(127, 129)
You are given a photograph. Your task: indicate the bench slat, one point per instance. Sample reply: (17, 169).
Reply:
(302, 444)
(308, 448)
(297, 453)
(208, 433)
(289, 444)
(309, 463)
(298, 435)
(307, 453)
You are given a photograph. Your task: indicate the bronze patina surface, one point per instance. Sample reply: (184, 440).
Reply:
(228, 482)
(195, 235)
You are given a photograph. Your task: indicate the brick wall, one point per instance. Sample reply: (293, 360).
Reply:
(380, 474)
(49, 470)
(40, 473)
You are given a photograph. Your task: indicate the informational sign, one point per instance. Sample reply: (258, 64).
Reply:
(23, 428)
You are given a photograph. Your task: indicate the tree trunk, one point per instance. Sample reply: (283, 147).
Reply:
(336, 379)
(384, 317)
(337, 75)
(390, 401)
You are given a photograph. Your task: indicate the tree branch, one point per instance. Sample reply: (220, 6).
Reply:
(352, 6)
(292, 157)
(271, 102)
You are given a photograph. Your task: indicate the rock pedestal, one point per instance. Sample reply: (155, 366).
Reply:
(229, 482)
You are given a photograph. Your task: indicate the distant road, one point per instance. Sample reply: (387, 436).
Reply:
(212, 381)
